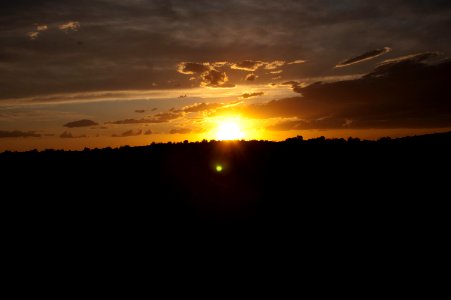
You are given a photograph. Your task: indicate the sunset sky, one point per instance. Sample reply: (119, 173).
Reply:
(100, 73)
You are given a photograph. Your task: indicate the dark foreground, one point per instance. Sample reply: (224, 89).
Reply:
(311, 184)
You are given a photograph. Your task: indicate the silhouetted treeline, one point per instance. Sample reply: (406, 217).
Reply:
(300, 182)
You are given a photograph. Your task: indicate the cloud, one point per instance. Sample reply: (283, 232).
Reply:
(214, 78)
(295, 62)
(274, 65)
(254, 65)
(198, 107)
(251, 77)
(191, 68)
(128, 133)
(408, 94)
(250, 95)
(220, 64)
(276, 72)
(148, 132)
(81, 123)
(140, 111)
(413, 58)
(322, 123)
(33, 35)
(364, 57)
(70, 26)
(208, 74)
(295, 85)
(68, 135)
(128, 45)
(158, 118)
(180, 131)
(41, 27)
(248, 65)
(18, 134)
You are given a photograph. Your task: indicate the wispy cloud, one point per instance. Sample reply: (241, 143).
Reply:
(81, 123)
(248, 65)
(69, 135)
(158, 118)
(33, 35)
(180, 131)
(128, 133)
(274, 65)
(295, 62)
(416, 58)
(251, 77)
(18, 134)
(250, 95)
(41, 27)
(70, 26)
(363, 57)
(198, 107)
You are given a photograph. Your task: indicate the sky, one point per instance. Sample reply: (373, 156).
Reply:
(107, 73)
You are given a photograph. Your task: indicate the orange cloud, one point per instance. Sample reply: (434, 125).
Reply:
(251, 77)
(274, 65)
(248, 65)
(72, 25)
(33, 35)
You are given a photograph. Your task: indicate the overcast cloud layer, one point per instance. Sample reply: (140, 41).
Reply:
(54, 46)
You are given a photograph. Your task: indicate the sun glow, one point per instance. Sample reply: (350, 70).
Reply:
(229, 129)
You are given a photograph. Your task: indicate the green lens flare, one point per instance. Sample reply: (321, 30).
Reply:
(218, 168)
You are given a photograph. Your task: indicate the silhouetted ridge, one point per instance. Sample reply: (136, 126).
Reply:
(318, 181)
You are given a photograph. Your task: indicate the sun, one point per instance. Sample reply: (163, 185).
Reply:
(229, 130)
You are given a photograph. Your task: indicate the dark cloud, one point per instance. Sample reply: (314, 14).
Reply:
(68, 135)
(148, 132)
(18, 134)
(413, 58)
(407, 93)
(158, 118)
(198, 107)
(129, 45)
(81, 123)
(250, 95)
(128, 133)
(214, 78)
(364, 57)
(295, 85)
(322, 123)
(208, 73)
(190, 68)
(180, 131)
(251, 77)
(140, 111)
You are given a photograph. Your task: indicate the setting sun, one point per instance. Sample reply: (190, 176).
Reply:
(229, 130)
